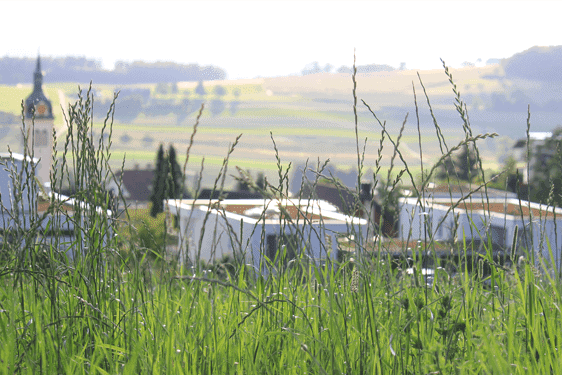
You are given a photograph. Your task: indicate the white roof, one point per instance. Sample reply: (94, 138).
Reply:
(540, 136)
(16, 156)
(312, 206)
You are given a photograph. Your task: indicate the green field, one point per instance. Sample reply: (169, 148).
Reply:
(149, 157)
(309, 118)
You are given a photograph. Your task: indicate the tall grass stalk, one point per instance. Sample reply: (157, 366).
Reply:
(93, 303)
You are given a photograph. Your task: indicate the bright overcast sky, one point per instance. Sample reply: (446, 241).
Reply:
(272, 38)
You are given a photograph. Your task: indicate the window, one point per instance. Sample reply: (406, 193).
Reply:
(274, 245)
(447, 231)
(497, 235)
(41, 138)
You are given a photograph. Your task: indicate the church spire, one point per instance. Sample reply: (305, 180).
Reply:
(38, 77)
(37, 103)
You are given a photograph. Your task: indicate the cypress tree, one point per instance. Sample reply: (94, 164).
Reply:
(159, 184)
(175, 175)
(168, 180)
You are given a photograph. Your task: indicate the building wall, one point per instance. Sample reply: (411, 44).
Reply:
(248, 237)
(42, 138)
(416, 224)
(216, 240)
(8, 165)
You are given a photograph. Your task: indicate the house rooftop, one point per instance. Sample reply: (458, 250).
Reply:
(444, 190)
(16, 156)
(137, 184)
(533, 136)
(253, 210)
(510, 207)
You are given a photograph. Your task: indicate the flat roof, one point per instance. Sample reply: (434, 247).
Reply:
(464, 189)
(511, 207)
(311, 209)
(16, 156)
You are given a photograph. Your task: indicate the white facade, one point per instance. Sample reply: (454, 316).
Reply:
(439, 221)
(42, 140)
(57, 230)
(537, 140)
(9, 166)
(209, 230)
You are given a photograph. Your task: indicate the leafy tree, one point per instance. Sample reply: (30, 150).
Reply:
(463, 164)
(128, 108)
(344, 69)
(148, 140)
(200, 90)
(80, 69)
(8, 118)
(219, 90)
(162, 88)
(217, 107)
(546, 184)
(125, 138)
(371, 68)
(234, 107)
(311, 68)
(510, 179)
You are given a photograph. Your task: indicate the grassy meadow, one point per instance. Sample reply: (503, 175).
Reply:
(118, 307)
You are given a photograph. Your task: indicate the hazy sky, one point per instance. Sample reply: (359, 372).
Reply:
(270, 38)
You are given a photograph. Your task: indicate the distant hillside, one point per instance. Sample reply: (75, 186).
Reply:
(81, 69)
(497, 96)
(542, 64)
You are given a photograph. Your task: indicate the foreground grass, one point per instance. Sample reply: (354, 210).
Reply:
(113, 309)
(152, 322)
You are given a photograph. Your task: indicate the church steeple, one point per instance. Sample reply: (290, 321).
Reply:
(39, 123)
(38, 77)
(37, 99)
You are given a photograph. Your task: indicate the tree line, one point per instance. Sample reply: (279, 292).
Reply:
(134, 101)
(314, 68)
(14, 70)
(545, 165)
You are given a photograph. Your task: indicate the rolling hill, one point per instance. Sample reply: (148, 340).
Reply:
(311, 117)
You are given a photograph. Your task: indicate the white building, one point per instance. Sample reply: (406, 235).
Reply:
(536, 141)
(538, 226)
(256, 228)
(9, 166)
(30, 210)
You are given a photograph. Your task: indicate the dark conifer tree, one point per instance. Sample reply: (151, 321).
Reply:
(168, 180)
(260, 182)
(175, 175)
(159, 183)
(200, 90)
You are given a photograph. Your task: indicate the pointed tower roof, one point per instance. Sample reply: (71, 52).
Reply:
(37, 99)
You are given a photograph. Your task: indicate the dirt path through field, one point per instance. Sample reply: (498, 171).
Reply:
(62, 99)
